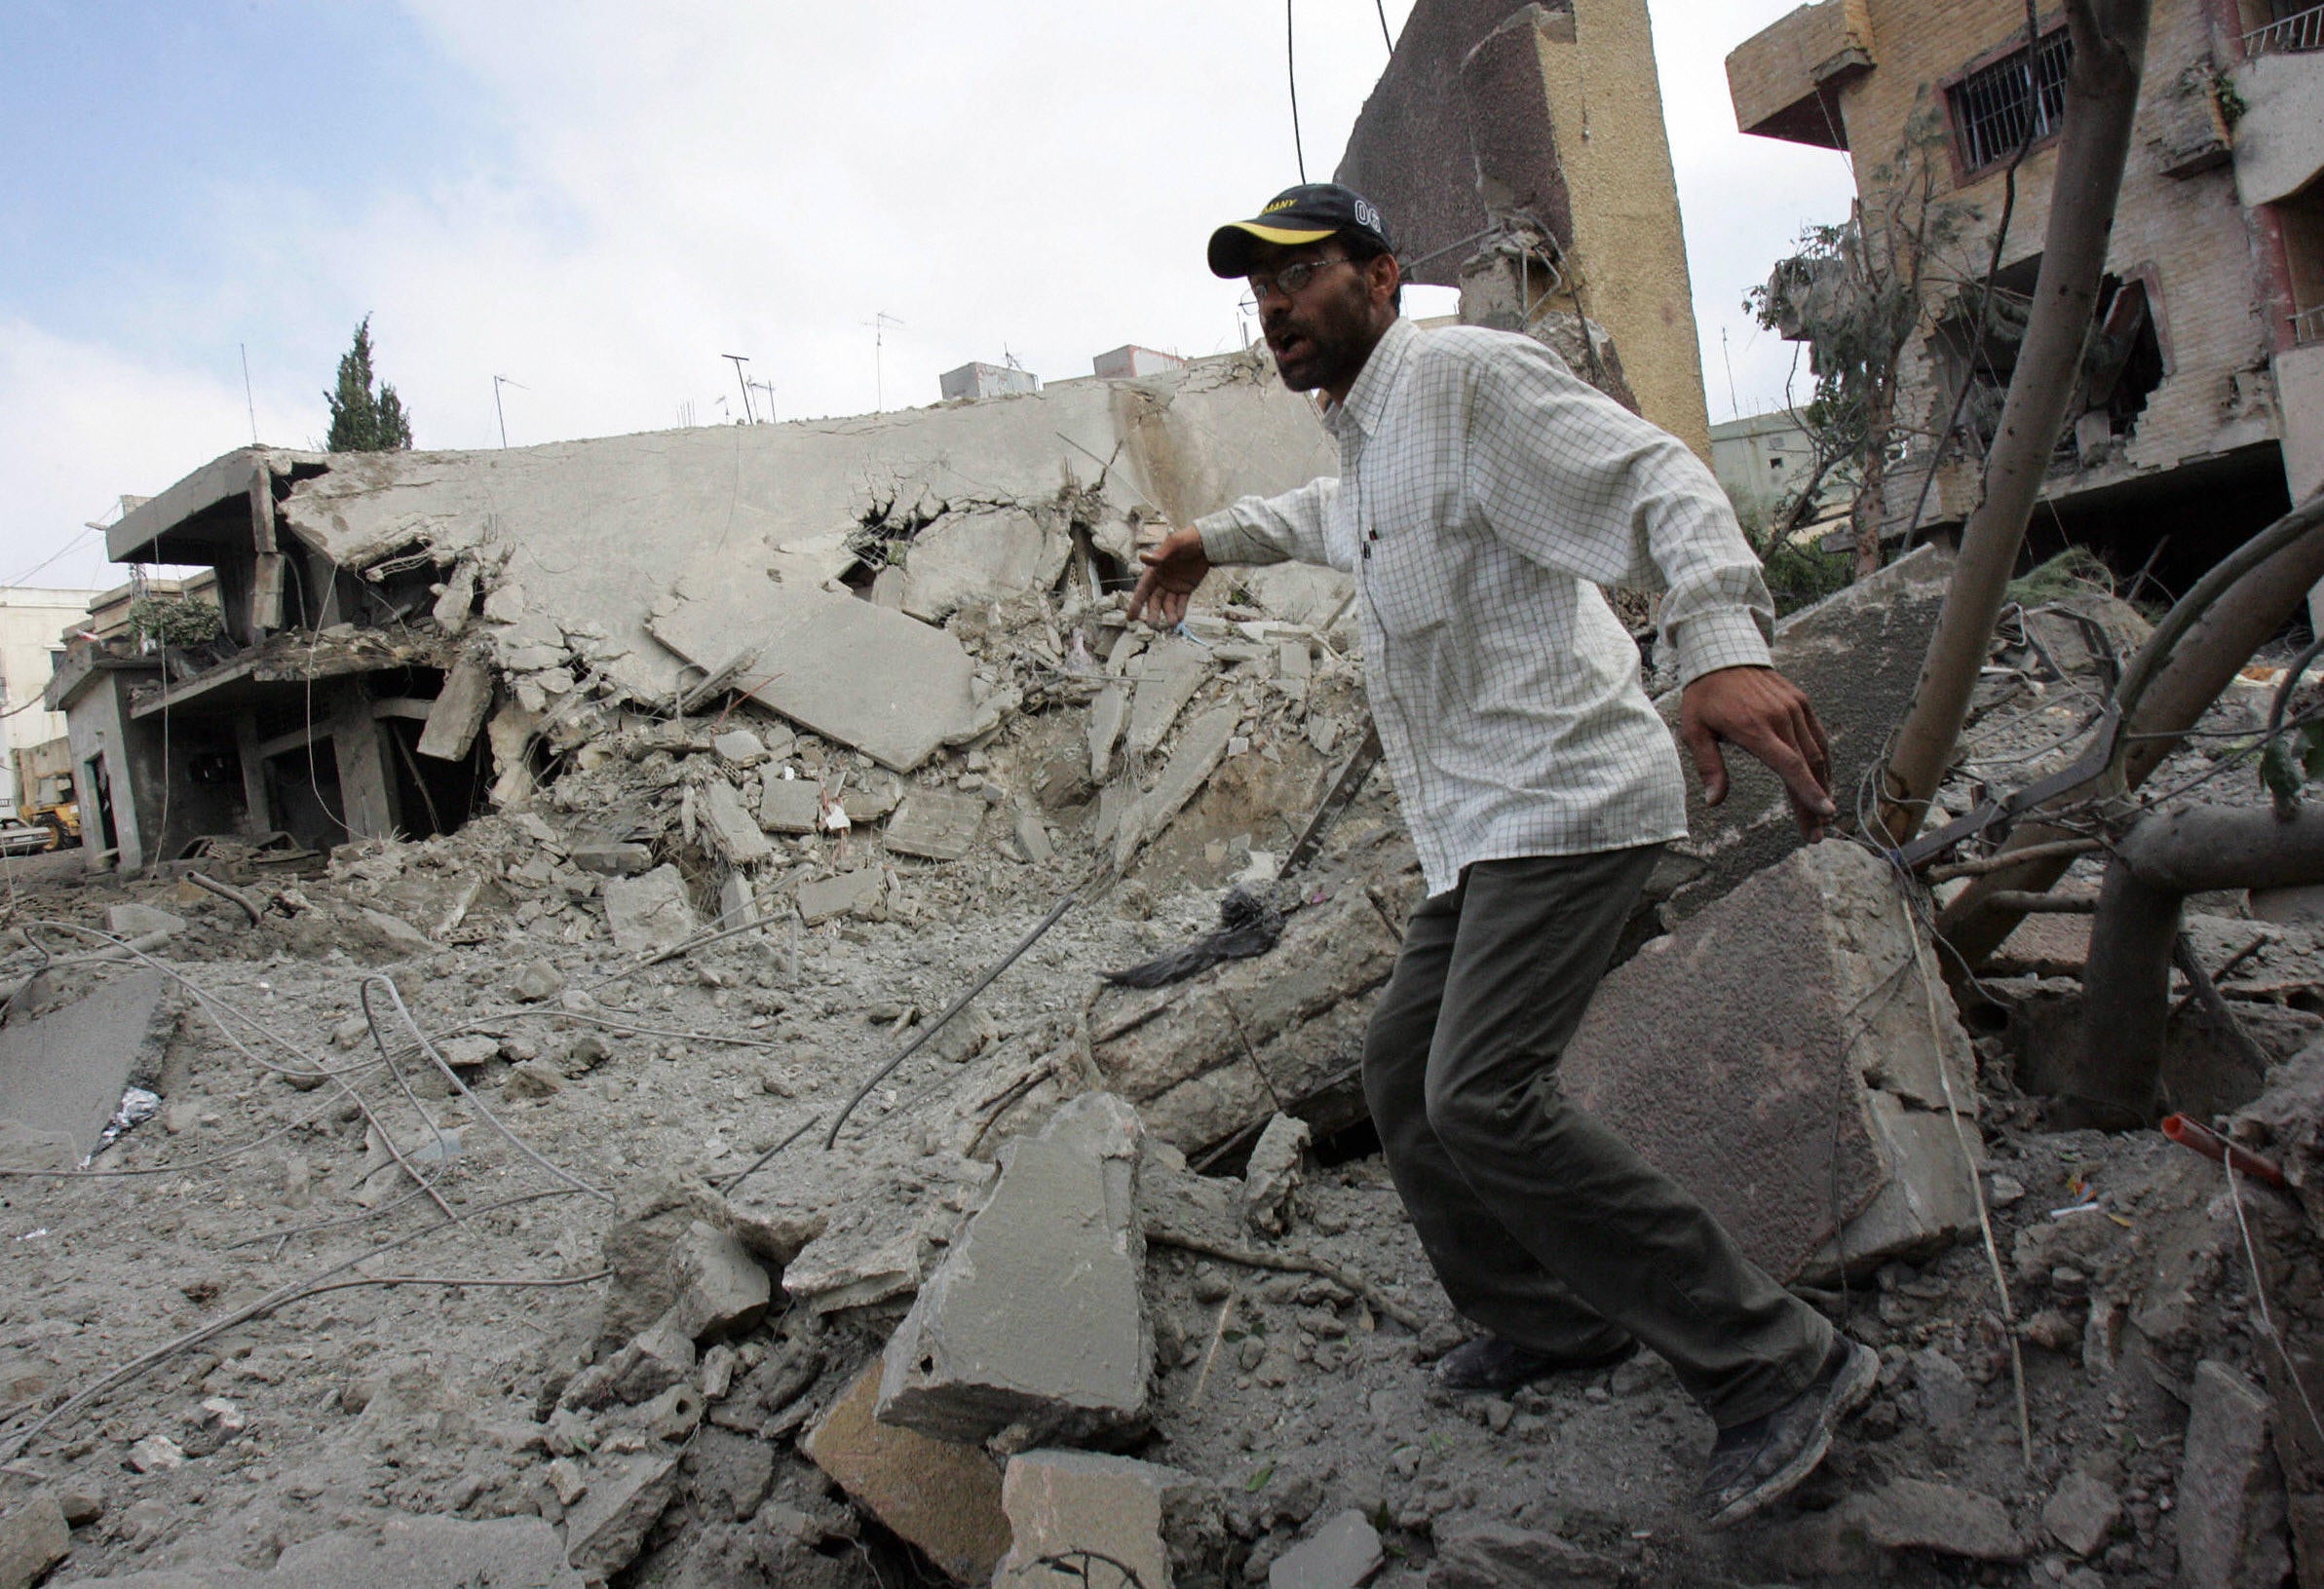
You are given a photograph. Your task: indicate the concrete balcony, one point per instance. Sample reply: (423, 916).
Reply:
(1786, 80)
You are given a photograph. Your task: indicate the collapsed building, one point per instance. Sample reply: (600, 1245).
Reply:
(2201, 415)
(624, 1047)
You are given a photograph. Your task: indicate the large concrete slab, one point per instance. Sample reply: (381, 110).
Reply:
(1035, 1318)
(1858, 655)
(1166, 676)
(944, 1497)
(875, 680)
(65, 1071)
(1778, 1054)
(575, 540)
(733, 831)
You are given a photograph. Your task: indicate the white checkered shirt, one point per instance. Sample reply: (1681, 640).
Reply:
(1484, 495)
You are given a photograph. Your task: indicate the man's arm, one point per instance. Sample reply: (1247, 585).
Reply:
(1578, 484)
(1254, 530)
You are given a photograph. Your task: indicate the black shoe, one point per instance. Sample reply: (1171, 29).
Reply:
(1487, 1362)
(1756, 1463)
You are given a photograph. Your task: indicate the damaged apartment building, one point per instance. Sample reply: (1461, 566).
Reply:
(2201, 403)
(410, 636)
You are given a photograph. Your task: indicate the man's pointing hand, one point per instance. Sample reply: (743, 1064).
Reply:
(1767, 714)
(1174, 569)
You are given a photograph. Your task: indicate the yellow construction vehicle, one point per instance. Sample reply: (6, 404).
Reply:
(44, 797)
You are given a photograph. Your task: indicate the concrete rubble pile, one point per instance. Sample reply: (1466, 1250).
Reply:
(1103, 1283)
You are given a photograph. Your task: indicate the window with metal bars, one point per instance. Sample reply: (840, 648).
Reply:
(1993, 106)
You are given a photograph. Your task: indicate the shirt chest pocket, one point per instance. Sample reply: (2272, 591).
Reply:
(1408, 564)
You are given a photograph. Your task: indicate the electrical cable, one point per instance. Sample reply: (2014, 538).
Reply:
(1380, 6)
(1291, 74)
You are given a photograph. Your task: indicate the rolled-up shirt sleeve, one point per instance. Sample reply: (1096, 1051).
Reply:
(1578, 484)
(1271, 529)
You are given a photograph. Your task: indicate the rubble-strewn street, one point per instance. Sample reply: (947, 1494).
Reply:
(439, 1237)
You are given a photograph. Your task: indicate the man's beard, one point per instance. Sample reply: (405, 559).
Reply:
(1318, 350)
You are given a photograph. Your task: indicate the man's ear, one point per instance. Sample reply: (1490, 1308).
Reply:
(1383, 276)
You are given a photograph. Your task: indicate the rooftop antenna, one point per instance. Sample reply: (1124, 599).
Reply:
(499, 381)
(740, 359)
(878, 323)
(1735, 407)
(248, 401)
(767, 390)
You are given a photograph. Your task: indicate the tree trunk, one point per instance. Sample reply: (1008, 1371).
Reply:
(1872, 497)
(2127, 987)
(2186, 681)
(2102, 84)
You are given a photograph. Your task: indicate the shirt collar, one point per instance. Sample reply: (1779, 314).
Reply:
(1367, 399)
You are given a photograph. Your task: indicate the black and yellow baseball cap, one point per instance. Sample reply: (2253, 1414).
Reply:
(1307, 213)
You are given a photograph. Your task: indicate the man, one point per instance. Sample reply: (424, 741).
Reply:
(1484, 495)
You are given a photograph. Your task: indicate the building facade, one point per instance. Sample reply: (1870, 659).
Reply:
(2200, 413)
(30, 623)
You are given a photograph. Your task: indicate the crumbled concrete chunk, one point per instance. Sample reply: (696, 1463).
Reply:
(942, 1497)
(1035, 1318)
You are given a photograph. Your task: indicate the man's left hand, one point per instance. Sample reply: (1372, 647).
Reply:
(1768, 715)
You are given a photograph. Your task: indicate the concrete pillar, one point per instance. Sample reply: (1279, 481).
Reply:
(367, 784)
(258, 809)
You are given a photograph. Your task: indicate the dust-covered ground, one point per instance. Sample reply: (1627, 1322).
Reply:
(355, 1266)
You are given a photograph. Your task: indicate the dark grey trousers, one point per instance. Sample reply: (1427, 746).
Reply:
(1546, 1228)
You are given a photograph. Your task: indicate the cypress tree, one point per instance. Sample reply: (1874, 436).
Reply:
(361, 420)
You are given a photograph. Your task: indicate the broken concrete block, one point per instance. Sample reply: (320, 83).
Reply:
(723, 1290)
(1029, 840)
(1166, 678)
(140, 921)
(2081, 1512)
(539, 980)
(866, 803)
(649, 913)
(1503, 1556)
(611, 858)
(850, 893)
(738, 902)
(1108, 713)
(1783, 1055)
(1178, 1052)
(739, 747)
(626, 1494)
(33, 1538)
(1915, 1514)
(1276, 1170)
(977, 556)
(944, 1497)
(65, 1071)
(872, 679)
(790, 805)
(1201, 748)
(1069, 1509)
(2231, 1513)
(733, 835)
(937, 825)
(1340, 1555)
(1857, 656)
(457, 715)
(1035, 1317)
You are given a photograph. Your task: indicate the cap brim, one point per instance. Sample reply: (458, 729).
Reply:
(1233, 245)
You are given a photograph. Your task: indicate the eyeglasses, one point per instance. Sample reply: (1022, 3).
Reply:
(1290, 279)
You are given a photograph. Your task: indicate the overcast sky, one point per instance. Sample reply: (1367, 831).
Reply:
(597, 201)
